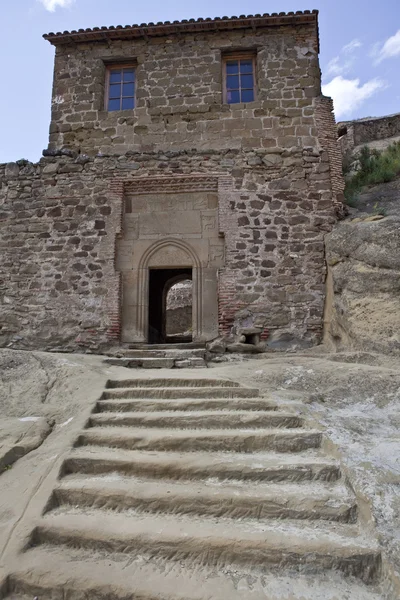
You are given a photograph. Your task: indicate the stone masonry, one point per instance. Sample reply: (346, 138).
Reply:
(242, 194)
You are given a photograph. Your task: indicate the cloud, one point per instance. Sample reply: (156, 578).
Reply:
(351, 46)
(389, 49)
(344, 62)
(51, 5)
(348, 94)
(335, 67)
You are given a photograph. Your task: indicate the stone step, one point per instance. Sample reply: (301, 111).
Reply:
(141, 363)
(264, 466)
(49, 573)
(235, 500)
(156, 405)
(167, 362)
(190, 363)
(215, 542)
(256, 440)
(201, 392)
(210, 419)
(172, 346)
(166, 353)
(167, 382)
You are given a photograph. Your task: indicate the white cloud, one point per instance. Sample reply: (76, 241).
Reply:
(344, 62)
(335, 67)
(389, 49)
(348, 94)
(51, 5)
(351, 46)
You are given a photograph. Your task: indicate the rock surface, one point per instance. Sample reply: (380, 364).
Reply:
(20, 436)
(363, 308)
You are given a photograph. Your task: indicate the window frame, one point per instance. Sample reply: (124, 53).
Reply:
(114, 67)
(249, 55)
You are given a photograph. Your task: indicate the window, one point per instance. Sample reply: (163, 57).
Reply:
(120, 88)
(239, 79)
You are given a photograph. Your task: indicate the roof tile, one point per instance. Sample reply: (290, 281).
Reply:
(187, 25)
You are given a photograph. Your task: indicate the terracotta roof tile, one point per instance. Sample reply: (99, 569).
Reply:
(119, 32)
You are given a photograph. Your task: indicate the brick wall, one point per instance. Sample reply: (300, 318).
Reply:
(328, 138)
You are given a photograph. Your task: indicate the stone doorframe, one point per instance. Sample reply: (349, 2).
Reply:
(143, 284)
(199, 202)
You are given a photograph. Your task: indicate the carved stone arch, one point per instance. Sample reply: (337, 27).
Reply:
(169, 253)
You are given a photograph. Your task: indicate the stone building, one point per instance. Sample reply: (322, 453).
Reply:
(201, 150)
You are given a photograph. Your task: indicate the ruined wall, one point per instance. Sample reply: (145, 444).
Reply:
(362, 131)
(328, 136)
(62, 220)
(179, 308)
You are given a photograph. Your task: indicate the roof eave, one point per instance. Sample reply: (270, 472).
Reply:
(99, 34)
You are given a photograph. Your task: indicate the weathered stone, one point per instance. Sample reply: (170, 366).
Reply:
(364, 286)
(272, 160)
(239, 347)
(11, 170)
(217, 346)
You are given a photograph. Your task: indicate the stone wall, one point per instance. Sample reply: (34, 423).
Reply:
(179, 308)
(363, 131)
(64, 221)
(179, 93)
(60, 221)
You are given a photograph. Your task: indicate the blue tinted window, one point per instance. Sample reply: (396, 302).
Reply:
(240, 84)
(115, 76)
(115, 90)
(129, 75)
(127, 103)
(128, 89)
(232, 67)
(246, 81)
(247, 95)
(246, 66)
(232, 82)
(233, 97)
(114, 104)
(121, 89)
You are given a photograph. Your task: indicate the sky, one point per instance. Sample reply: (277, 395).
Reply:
(360, 54)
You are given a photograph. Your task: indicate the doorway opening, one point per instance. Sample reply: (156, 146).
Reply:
(170, 306)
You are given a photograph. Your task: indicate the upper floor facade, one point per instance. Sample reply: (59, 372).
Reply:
(240, 82)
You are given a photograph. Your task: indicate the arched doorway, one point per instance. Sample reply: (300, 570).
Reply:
(160, 283)
(178, 310)
(156, 267)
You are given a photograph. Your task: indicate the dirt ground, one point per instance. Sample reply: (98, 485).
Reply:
(355, 396)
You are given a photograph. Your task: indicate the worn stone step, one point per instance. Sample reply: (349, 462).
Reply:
(211, 419)
(235, 500)
(255, 440)
(170, 392)
(156, 405)
(264, 466)
(141, 363)
(48, 573)
(194, 362)
(168, 382)
(215, 542)
(172, 346)
(169, 352)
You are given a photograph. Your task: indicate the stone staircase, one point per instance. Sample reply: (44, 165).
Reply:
(160, 356)
(197, 489)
